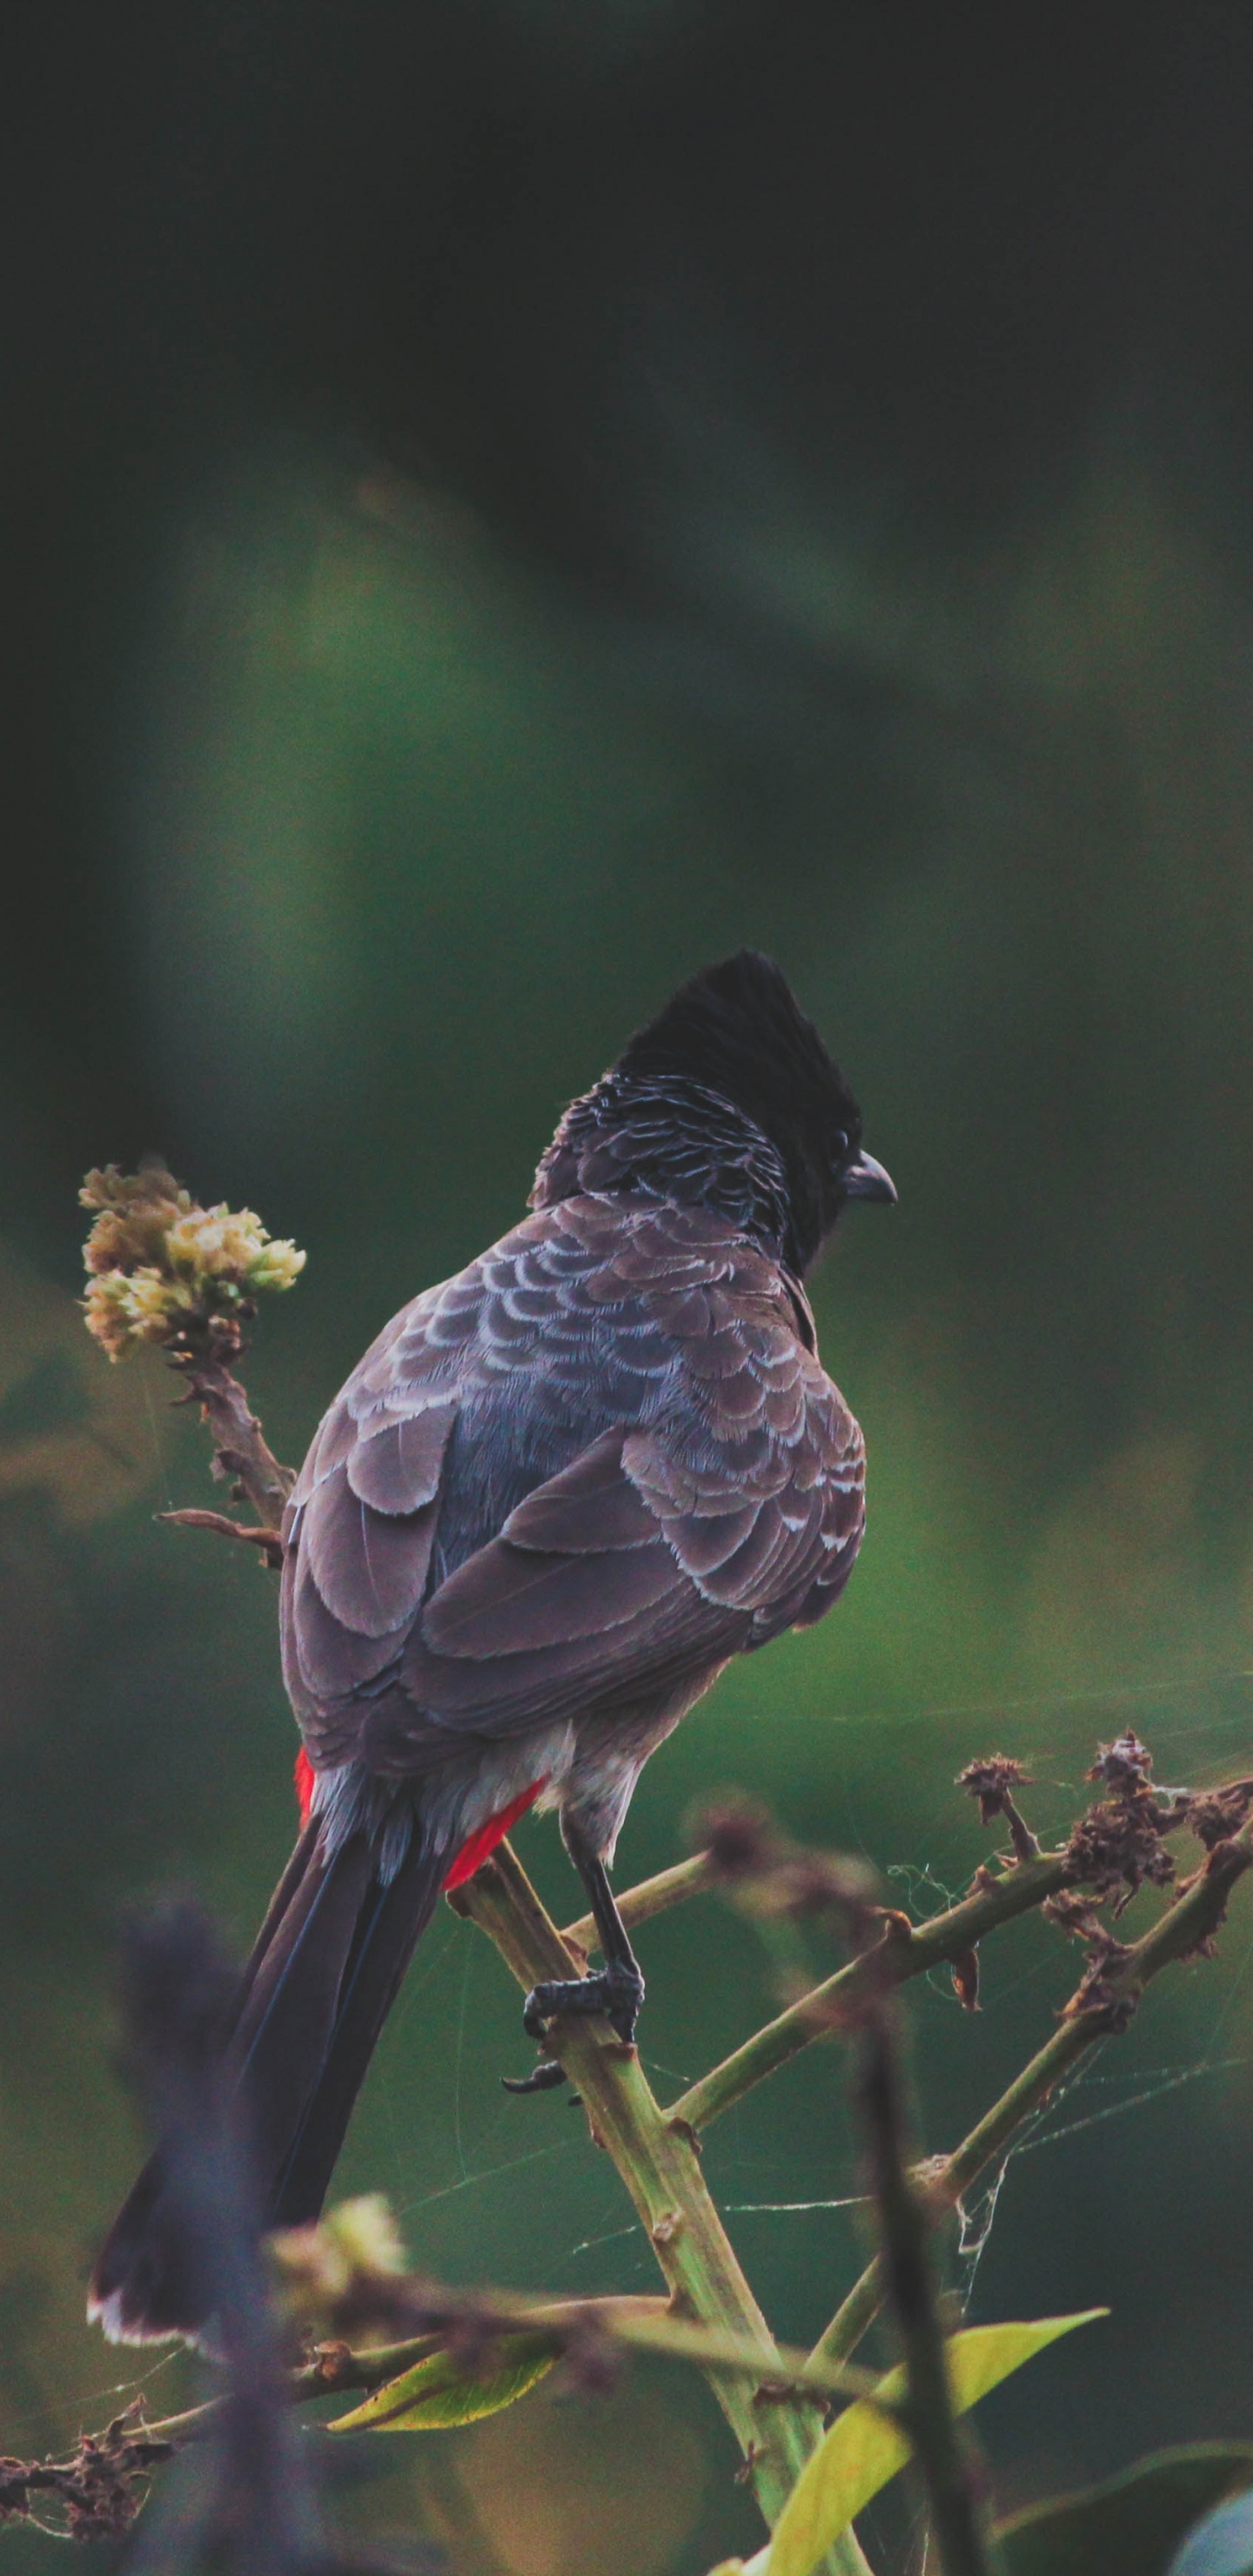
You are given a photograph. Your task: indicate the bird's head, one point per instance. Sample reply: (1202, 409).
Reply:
(733, 1040)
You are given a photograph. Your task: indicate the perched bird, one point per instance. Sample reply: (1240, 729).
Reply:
(552, 1501)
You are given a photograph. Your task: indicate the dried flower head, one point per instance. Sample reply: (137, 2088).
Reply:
(1075, 1913)
(1117, 1848)
(1218, 1813)
(135, 1212)
(163, 1269)
(990, 1781)
(96, 2494)
(1126, 1764)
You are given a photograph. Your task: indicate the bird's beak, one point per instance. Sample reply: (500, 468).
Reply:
(863, 1178)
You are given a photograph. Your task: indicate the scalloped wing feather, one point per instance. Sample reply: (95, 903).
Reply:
(696, 1484)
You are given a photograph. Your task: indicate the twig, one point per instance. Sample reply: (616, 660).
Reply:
(992, 1781)
(900, 1955)
(1094, 2011)
(937, 2441)
(637, 2324)
(269, 1539)
(652, 1896)
(179, 1991)
(99, 2490)
(674, 2338)
(336, 2369)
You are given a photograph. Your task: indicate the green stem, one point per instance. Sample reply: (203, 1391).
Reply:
(657, 2157)
(900, 1954)
(337, 2370)
(854, 2316)
(652, 1896)
(674, 2338)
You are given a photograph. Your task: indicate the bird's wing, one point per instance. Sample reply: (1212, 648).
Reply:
(704, 1489)
(360, 1525)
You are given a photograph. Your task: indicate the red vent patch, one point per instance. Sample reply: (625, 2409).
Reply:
(482, 1843)
(305, 1776)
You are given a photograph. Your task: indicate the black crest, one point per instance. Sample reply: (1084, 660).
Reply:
(728, 1097)
(739, 1029)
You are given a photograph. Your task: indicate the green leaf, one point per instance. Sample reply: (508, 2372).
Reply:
(1129, 2525)
(865, 2448)
(440, 2391)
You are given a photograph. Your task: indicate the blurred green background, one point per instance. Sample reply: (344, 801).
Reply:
(504, 505)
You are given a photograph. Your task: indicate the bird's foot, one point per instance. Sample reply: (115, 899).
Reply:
(616, 1990)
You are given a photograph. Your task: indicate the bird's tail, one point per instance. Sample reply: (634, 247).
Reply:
(313, 1998)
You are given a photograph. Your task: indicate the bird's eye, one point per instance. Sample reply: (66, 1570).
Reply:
(839, 1146)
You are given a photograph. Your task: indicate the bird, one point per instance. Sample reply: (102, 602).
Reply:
(554, 1499)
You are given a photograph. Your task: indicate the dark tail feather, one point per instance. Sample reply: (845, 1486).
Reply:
(314, 1996)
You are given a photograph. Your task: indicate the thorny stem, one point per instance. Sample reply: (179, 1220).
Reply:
(1179, 1930)
(657, 2157)
(957, 2523)
(241, 1450)
(854, 2316)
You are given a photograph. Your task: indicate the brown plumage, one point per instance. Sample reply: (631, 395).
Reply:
(556, 1496)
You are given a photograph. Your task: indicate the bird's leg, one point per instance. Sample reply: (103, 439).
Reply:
(617, 1989)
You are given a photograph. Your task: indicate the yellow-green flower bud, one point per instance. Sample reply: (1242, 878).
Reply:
(108, 1312)
(163, 1267)
(278, 1265)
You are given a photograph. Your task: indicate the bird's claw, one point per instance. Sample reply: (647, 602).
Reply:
(542, 2079)
(617, 1991)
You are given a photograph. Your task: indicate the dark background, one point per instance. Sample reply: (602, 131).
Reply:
(502, 504)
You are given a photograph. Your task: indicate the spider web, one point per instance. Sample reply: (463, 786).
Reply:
(780, 2190)
(1100, 2089)
(1096, 2093)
